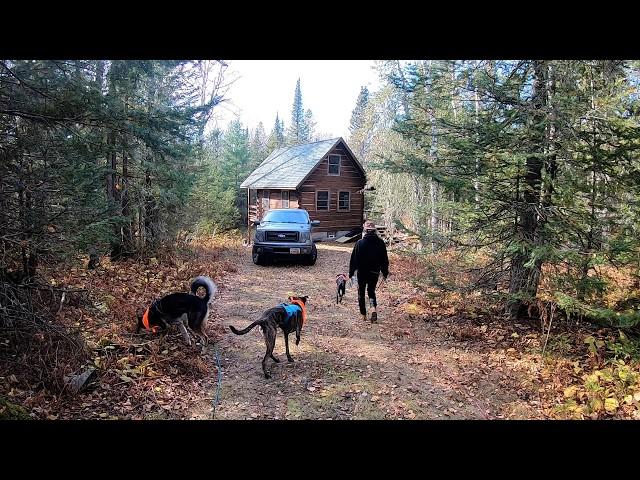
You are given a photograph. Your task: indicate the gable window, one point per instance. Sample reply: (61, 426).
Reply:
(334, 164)
(344, 200)
(285, 199)
(322, 200)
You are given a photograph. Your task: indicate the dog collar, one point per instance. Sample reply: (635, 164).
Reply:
(145, 321)
(303, 307)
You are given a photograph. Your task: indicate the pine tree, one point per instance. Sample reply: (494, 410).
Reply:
(309, 127)
(109, 145)
(214, 198)
(357, 116)
(235, 154)
(297, 130)
(258, 148)
(276, 137)
(523, 157)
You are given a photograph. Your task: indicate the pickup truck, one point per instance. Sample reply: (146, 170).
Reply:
(285, 232)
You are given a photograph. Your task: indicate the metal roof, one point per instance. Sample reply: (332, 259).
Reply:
(288, 167)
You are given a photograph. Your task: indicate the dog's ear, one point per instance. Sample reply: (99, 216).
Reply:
(304, 299)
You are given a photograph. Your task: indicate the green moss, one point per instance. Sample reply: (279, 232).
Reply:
(12, 411)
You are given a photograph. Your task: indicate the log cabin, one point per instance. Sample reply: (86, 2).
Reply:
(324, 177)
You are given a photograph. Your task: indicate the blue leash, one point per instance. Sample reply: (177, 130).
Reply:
(217, 399)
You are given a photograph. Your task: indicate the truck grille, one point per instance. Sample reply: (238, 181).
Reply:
(282, 236)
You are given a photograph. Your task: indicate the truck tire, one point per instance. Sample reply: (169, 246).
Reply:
(311, 259)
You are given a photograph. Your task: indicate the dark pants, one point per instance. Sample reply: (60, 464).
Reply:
(367, 282)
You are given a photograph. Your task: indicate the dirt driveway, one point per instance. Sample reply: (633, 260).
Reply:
(347, 369)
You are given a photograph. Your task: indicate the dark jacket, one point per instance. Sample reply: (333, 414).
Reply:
(369, 256)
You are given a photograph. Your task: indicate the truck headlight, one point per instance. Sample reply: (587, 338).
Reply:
(259, 236)
(305, 236)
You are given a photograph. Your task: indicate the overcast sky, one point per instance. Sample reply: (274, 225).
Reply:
(266, 87)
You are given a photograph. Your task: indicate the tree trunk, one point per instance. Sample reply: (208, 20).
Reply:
(149, 211)
(111, 177)
(127, 229)
(523, 285)
(476, 179)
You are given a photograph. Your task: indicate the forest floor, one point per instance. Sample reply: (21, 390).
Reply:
(432, 355)
(412, 364)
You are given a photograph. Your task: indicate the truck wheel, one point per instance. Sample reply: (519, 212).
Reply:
(257, 258)
(311, 259)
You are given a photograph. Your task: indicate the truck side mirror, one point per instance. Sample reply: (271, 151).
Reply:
(315, 223)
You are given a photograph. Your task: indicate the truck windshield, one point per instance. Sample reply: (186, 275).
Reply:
(286, 216)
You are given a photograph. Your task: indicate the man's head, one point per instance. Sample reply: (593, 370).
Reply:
(369, 226)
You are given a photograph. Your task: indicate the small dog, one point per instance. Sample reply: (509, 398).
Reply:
(341, 285)
(180, 309)
(289, 317)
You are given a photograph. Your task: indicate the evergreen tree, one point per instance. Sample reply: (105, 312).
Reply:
(308, 128)
(276, 137)
(520, 159)
(357, 116)
(214, 198)
(235, 154)
(258, 148)
(362, 125)
(297, 130)
(98, 153)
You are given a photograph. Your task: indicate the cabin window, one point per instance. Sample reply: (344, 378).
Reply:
(265, 199)
(334, 164)
(344, 200)
(322, 200)
(285, 199)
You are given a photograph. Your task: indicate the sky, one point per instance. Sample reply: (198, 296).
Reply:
(266, 87)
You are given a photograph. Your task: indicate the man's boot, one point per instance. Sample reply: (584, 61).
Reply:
(374, 315)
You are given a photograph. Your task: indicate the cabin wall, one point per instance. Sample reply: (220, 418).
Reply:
(350, 179)
(259, 204)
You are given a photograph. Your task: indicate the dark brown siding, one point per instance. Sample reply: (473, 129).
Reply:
(350, 179)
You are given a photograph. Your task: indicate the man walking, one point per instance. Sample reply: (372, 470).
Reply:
(369, 258)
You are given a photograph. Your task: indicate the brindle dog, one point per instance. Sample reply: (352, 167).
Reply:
(270, 321)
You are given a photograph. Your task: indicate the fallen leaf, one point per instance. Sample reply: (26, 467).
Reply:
(611, 405)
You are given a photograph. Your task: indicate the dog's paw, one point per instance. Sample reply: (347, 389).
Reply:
(290, 360)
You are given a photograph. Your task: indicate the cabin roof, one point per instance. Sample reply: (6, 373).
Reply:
(289, 167)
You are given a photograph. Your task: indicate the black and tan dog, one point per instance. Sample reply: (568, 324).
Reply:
(290, 317)
(181, 309)
(341, 285)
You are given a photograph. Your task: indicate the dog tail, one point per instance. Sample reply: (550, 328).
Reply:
(245, 330)
(207, 284)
